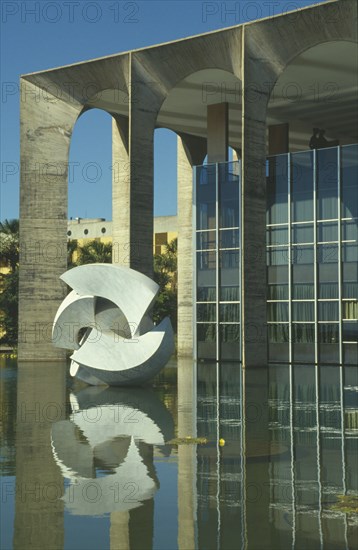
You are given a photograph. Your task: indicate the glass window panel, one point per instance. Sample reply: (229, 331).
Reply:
(350, 310)
(206, 197)
(303, 333)
(229, 259)
(277, 292)
(277, 256)
(206, 216)
(205, 240)
(302, 233)
(350, 354)
(206, 333)
(230, 313)
(350, 290)
(206, 260)
(303, 311)
(328, 291)
(327, 183)
(230, 333)
(230, 294)
(349, 178)
(277, 311)
(328, 311)
(302, 186)
(304, 272)
(327, 232)
(229, 191)
(303, 291)
(229, 238)
(277, 189)
(350, 230)
(328, 334)
(277, 274)
(302, 254)
(350, 331)
(205, 312)
(277, 235)
(349, 252)
(327, 253)
(278, 333)
(206, 294)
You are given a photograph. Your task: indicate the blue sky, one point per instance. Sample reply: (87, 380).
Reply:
(38, 35)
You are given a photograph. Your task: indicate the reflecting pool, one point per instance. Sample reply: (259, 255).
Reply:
(208, 457)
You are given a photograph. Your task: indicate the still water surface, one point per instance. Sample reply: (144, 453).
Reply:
(103, 468)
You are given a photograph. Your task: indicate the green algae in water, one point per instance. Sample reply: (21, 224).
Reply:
(347, 504)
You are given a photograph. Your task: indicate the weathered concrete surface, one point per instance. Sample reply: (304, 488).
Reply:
(191, 152)
(46, 126)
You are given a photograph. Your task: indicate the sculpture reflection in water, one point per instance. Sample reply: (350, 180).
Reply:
(106, 320)
(105, 448)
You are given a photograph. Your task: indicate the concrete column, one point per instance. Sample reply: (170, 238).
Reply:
(46, 127)
(133, 193)
(278, 142)
(218, 132)
(39, 510)
(191, 152)
(120, 192)
(253, 212)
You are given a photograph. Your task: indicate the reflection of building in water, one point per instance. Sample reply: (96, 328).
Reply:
(39, 510)
(311, 411)
(274, 482)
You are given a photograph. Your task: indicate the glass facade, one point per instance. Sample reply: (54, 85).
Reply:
(217, 232)
(312, 257)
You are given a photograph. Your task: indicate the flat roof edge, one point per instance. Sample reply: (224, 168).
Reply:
(152, 46)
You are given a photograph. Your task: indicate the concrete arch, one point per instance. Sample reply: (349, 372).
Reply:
(317, 88)
(90, 171)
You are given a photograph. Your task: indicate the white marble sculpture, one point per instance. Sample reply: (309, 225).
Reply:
(110, 307)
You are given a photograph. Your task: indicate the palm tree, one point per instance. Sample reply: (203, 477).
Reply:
(95, 252)
(9, 243)
(72, 247)
(9, 257)
(165, 266)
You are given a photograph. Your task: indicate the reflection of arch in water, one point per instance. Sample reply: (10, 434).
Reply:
(105, 449)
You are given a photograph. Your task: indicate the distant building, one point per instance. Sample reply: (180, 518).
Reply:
(87, 229)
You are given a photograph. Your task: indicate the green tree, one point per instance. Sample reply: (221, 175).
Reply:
(9, 308)
(165, 275)
(95, 252)
(9, 282)
(72, 246)
(9, 243)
